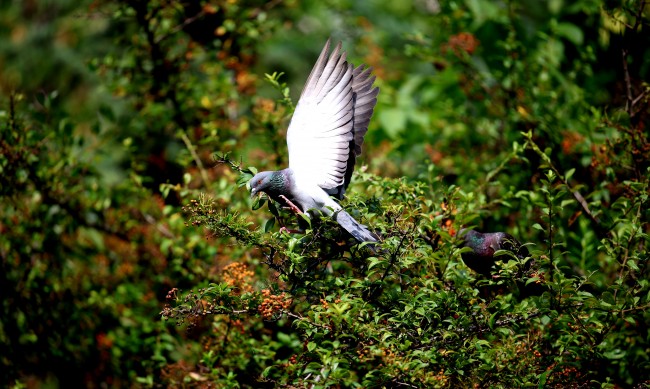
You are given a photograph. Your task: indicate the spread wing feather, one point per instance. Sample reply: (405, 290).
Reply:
(327, 128)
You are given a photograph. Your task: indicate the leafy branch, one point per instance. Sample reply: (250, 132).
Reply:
(564, 178)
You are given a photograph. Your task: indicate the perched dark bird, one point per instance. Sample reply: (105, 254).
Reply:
(324, 138)
(484, 245)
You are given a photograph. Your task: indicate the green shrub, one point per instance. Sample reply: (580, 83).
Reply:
(118, 220)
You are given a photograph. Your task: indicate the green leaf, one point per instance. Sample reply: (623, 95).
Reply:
(267, 370)
(543, 377)
(545, 319)
(258, 202)
(538, 226)
(374, 261)
(164, 190)
(481, 342)
(566, 203)
(273, 209)
(531, 280)
(493, 319)
(243, 179)
(608, 298)
(306, 218)
(571, 32)
(569, 174)
(632, 264)
(268, 226)
(615, 354)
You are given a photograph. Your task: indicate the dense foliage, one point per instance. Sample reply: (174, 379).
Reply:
(132, 254)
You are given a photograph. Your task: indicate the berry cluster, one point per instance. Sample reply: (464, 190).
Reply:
(273, 305)
(460, 44)
(539, 275)
(365, 354)
(326, 305)
(172, 294)
(292, 361)
(194, 209)
(239, 277)
(238, 325)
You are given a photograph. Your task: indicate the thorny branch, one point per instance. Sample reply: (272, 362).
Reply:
(302, 318)
(195, 156)
(393, 255)
(632, 101)
(576, 194)
(223, 159)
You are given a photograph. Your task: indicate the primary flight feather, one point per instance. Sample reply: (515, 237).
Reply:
(324, 138)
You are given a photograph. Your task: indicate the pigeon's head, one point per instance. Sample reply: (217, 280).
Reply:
(485, 244)
(262, 182)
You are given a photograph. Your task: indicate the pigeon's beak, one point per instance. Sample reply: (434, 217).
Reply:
(254, 192)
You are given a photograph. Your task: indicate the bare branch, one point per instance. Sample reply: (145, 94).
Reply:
(629, 89)
(628, 83)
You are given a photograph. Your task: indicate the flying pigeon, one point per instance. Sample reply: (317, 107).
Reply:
(484, 245)
(324, 138)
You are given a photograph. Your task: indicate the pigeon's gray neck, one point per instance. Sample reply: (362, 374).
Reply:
(279, 182)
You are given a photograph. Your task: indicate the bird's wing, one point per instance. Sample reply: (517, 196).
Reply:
(365, 98)
(320, 136)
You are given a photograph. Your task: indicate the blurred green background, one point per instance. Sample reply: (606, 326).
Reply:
(103, 103)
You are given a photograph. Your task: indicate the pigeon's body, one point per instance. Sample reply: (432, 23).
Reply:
(324, 138)
(481, 259)
(303, 193)
(484, 245)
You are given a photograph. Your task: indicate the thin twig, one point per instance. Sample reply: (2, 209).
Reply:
(180, 26)
(271, 263)
(393, 256)
(627, 249)
(12, 113)
(630, 100)
(498, 169)
(404, 384)
(161, 228)
(302, 318)
(628, 83)
(581, 200)
(195, 156)
(223, 159)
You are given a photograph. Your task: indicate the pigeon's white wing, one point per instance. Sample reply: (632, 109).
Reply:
(320, 136)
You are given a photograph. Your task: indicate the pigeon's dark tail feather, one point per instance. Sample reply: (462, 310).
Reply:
(356, 229)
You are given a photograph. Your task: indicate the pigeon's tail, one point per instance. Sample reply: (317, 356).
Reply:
(356, 229)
